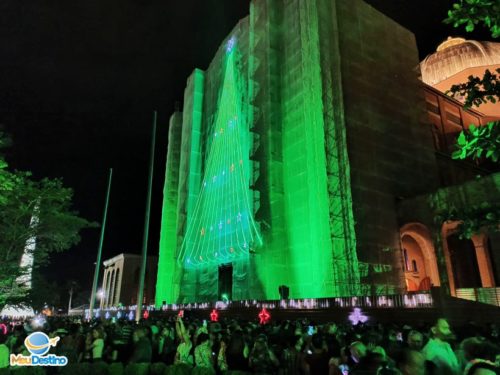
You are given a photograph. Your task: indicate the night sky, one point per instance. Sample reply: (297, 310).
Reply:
(79, 81)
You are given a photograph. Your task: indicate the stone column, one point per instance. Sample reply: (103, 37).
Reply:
(103, 288)
(118, 285)
(112, 287)
(483, 261)
(443, 258)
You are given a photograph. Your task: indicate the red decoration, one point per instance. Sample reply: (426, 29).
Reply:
(146, 314)
(264, 316)
(3, 327)
(214, 315)
(181, 314)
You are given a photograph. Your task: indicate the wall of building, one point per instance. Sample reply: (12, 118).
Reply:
(204, 104)
(426, 210)
(112, 281)
(389, 143)
(270, 264)
(121, 280)
(165, 287)
(190, 171)
(338, 135)
(316, 187)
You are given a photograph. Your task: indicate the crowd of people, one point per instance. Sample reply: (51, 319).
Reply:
(284, 347)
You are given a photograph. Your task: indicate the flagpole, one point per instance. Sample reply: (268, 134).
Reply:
(140, 293)
(99, 251)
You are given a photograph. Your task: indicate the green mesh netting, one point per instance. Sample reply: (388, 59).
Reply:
(221, 228)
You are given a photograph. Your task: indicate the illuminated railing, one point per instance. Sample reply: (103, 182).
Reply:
(490, 296)
(416, 300)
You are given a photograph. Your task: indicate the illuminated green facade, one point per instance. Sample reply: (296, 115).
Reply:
(258, 169)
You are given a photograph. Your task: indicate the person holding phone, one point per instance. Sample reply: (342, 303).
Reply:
(311, 330)
(183, 354)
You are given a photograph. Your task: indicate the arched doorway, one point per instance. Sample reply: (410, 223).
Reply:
(463, 262)
(419, 258)
(468, 261)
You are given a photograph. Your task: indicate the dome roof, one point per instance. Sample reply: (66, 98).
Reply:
(457, 54)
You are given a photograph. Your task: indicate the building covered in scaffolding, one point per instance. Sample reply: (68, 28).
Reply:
(290, 155)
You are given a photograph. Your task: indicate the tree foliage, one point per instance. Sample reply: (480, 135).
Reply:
(473, 219)
(477, 91)
(57, 225)
(484, 141)
(6, 178)
(45, 292)
(478, 142)
(473, 12)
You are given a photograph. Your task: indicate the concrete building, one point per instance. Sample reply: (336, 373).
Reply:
(435, 253)
(473, 263)
(121, 280)
(305, 157)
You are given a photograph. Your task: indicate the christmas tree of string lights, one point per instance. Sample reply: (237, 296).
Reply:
(221, 228)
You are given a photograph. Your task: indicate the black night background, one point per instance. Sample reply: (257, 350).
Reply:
(79, 81)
